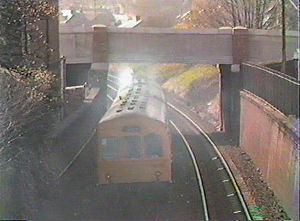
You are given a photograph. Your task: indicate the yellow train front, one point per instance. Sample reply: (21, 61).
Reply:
(134, 142)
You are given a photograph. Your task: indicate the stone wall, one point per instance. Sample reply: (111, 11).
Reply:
(270, 138)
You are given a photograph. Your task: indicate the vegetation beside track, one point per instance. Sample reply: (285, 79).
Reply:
(29, 107)
(196, 85)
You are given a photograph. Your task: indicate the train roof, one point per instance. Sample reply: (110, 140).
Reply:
(139, 99)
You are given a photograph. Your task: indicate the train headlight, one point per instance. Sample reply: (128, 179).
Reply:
(157, 174)
(108, 177)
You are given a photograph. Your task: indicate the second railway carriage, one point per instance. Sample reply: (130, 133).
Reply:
(134, 142)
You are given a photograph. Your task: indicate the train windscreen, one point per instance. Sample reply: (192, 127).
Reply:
(153, 148)
(111, 148)
(132, 147)
(122, 148)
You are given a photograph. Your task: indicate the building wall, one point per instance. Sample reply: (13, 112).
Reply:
(157, 13)
(77, 4)
(271, 141)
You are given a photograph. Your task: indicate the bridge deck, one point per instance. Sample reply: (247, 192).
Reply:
(212, 46)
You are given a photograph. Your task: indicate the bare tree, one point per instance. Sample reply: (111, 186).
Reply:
(283, 36)
(28, 100)
(28, 110)
(260, 14)
(24, 32)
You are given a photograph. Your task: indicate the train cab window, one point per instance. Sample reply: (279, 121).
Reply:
(131, 129)
(133, 147)
(153, 147)
(111, 148)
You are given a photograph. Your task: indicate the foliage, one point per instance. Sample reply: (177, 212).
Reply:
(186, 80)
(24, 32)
(28, 110)
(27, 89)
(159, 72)
(26, 107)
(29, 102)
(170, 70)
(261, 14)
(199, 88)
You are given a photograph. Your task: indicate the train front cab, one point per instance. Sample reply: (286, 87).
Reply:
(134, 152)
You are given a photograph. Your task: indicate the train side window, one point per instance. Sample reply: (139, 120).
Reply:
(111, 148)
(153, 146)
(133, 147)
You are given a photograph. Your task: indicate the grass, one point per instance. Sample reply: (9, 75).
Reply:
(187, 79)
(159, 72)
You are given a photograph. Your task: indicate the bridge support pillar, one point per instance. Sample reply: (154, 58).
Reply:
(99, 71)
(98, 79)
(231, 84)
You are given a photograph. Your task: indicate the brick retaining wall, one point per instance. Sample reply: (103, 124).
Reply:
(270, 139)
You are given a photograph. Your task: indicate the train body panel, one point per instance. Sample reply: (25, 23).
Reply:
(134, 142)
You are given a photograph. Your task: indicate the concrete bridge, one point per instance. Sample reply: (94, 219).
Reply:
(250, 93)
(215, 46)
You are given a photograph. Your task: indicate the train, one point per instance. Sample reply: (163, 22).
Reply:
(133, 137)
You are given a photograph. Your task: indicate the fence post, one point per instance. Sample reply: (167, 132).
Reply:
(62, 84)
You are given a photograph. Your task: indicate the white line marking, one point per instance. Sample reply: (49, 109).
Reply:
(221, 168)
(221, 158)
(110, 98)
(200, 183)
(224, 181)
(214, 158)
(232, 194)
(111, 87)
(238, 211)
(112, 82)
(109, 75)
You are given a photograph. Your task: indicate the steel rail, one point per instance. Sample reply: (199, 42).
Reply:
(197, 170)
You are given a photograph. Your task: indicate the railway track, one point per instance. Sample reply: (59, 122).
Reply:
(197, 171)
(239, 210)
(220, 194)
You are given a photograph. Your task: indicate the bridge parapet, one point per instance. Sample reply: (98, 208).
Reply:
(211, 46)
(264, 46)
(77, 47)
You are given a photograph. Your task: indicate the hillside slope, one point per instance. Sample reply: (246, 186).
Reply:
(196, 85)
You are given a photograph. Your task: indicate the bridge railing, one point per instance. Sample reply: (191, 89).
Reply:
(264, 46)
(280, 90)
(77, 47)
